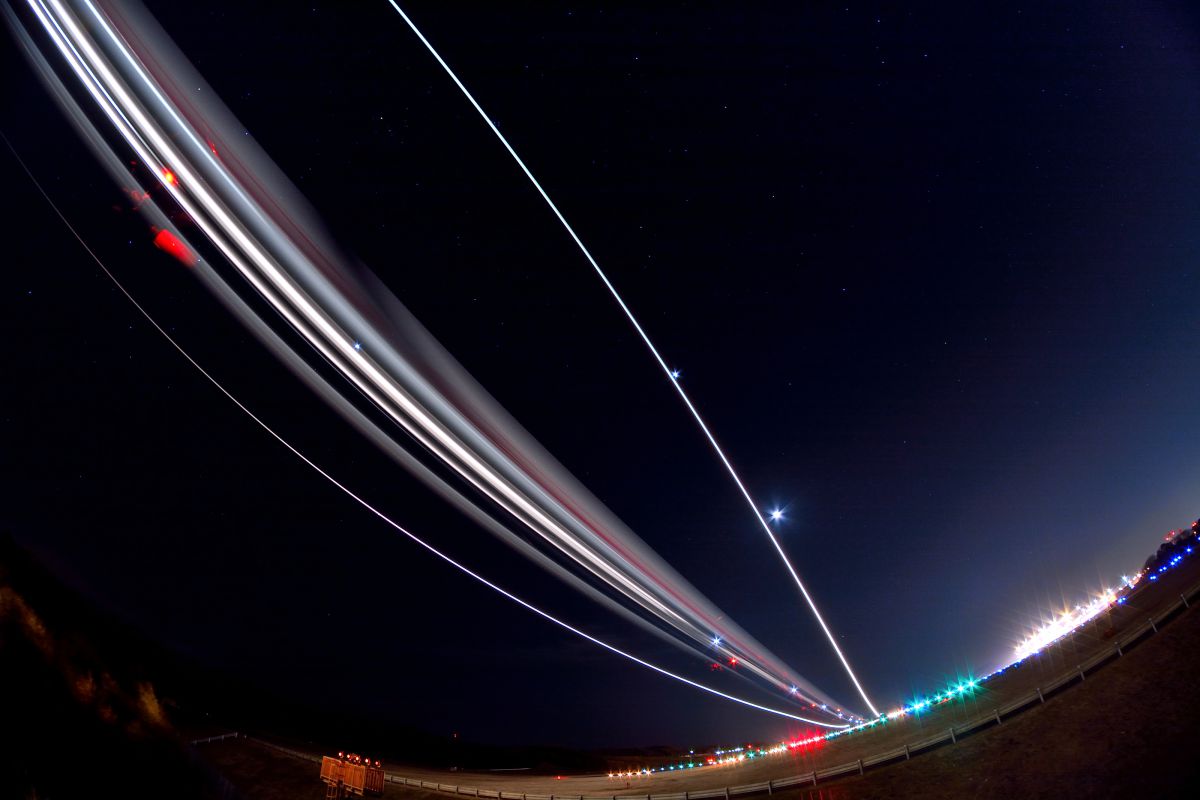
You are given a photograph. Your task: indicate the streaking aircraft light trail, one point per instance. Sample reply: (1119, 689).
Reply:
(259, 224)
(386, 519)
(672, 374)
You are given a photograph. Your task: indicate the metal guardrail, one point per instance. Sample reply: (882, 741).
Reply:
(222, 737)
(857, 767)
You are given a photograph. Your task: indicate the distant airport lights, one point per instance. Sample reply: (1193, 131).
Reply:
(1064, 624)
(1070, 620)
(954, 691)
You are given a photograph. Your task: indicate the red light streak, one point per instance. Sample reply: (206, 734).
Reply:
(170, 244)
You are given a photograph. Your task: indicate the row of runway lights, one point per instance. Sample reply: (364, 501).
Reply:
(1170, 564)
(739, 755)
(1052, 631)
(1046, 635)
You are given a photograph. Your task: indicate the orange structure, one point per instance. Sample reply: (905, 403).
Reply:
(351, 774)
(331, 774)
(354, 778)
(374, 783)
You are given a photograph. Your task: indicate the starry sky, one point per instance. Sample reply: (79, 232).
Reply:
(929, 272)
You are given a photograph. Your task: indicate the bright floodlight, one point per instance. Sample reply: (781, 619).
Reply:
(776, 515)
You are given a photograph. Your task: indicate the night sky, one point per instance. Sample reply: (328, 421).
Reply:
(930, 274)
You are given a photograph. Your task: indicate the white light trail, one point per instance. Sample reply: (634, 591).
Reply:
(673, 375)
(266, 276)
(259, 248)
(386, 519)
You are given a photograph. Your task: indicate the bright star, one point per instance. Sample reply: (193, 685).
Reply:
(675, 373)
(776, 515)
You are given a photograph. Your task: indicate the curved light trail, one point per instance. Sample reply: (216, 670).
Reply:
(671, 374)
(384, 517)
(260, 225)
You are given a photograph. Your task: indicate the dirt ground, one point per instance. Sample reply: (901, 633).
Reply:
(1128, 730)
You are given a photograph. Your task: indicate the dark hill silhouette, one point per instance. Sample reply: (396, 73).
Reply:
(78, 687)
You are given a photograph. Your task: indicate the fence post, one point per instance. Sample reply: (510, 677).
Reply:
(953, 738)
(1041, 696)
(860, 768)
(1184, 599)
(770, 789)
(1080, 669)
(997, 713)
(726, 794)
(907, 755)
(1152, 625)
(814, 774)
(1118, 646)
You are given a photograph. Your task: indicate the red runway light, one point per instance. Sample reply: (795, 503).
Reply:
(169, 243)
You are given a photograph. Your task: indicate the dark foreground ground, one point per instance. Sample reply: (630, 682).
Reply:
(89, 710)
(1130, 730)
